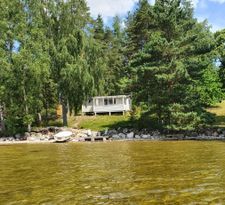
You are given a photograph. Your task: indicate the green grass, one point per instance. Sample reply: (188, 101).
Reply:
(100, 122)
(219, 111)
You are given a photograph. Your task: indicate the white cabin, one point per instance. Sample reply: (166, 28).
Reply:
(107, 104)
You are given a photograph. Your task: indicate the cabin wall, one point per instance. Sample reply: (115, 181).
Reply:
(107, 104)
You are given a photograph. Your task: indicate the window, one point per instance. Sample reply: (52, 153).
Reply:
(114, 101)
(110, 101)
(105, 101)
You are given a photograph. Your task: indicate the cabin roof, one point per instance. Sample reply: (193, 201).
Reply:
(116, 96)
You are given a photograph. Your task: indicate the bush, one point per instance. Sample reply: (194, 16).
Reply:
(180, 119)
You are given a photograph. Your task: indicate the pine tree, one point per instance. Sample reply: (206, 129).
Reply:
(176, 67)
(139, 25)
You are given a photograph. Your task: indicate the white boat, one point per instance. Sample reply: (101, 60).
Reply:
(63, 136)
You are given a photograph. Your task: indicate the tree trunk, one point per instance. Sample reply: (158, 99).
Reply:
(46, 113)
(39, 119)
(26, 107)
(64, 113)
(2, 123)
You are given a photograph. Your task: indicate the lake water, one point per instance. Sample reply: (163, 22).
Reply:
(113, 173)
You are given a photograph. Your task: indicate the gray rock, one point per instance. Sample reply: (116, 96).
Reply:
(112, 132)
(125, 130)
(33, 139)
(94, 134)
(50, 137)
(18, 136)
(115, 137)
(146, 136)
(11, 139)
(122, 135)
(82, 135)
(208, 133)
(130, 135)
(87, 132)
(105, 132)
(215, 134)
(221, 136)
(156, 133)
(137, 137)
(44, 131)
(81, 139)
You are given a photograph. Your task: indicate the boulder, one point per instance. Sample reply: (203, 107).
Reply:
(125, 130)
(215, 134)
(112, 132)
(81, 135)
(33, 138)
(105, 132)
(221, 136)
(130, 135)
(146, 136)
(44, 131)
(19, 136)
(89, 133)
(122, 135)
(137, 137)
(11, 139)
(115, 137)
(53, 129)
(93, 134)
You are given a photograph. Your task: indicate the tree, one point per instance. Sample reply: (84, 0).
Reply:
(26, 63)
(139, 25)
(175, 66)
(220, 50)
(76, 66)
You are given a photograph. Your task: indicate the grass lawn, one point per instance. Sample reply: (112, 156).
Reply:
(219, 111)
(100, 122)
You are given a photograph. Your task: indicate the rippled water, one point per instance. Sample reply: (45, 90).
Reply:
(113, 173)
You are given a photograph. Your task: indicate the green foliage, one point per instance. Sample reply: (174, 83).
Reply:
(220, 51)
(180, 119)
(135, 113)
(175, 65)
(53, 52)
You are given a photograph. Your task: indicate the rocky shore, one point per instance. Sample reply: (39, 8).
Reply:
(46, 135)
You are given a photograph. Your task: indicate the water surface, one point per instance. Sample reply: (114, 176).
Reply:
(113, 173)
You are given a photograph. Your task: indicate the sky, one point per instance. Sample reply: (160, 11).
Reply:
(212, 10)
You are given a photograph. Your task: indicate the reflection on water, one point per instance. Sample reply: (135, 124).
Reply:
(113, 173)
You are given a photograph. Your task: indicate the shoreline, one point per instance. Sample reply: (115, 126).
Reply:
(48, 135)
(108, 141)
